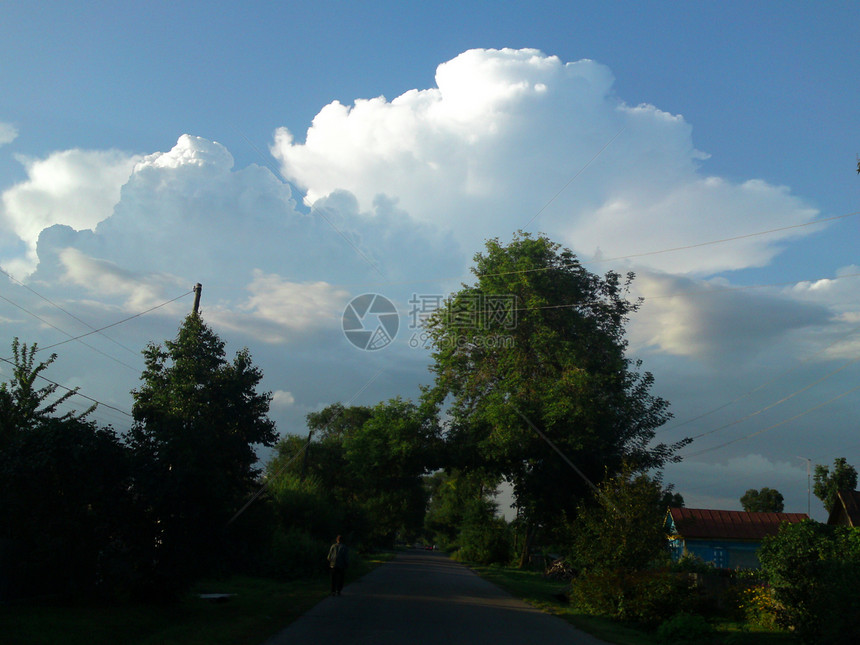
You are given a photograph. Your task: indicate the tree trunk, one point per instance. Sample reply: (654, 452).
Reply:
(527, 545)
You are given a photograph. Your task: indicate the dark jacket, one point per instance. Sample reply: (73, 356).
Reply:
(338, 556)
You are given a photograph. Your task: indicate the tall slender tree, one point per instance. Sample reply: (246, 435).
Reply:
(198, 419)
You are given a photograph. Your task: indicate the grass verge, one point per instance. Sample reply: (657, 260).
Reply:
(260, 608)
(547, 595)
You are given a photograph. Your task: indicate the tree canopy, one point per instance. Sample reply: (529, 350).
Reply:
(368, 463)
(532, 358)
(828, 484)
(197, 420)
(766, 500)
(23, 406)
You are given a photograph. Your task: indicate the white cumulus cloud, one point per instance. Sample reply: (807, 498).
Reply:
(77, 188)
(282, 399)
(502, 135)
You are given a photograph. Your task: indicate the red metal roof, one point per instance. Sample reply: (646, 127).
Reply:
(729, 525)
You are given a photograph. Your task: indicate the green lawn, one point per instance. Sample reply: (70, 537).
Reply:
(546, 595)
(260, 608)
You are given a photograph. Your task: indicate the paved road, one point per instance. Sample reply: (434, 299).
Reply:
(422, 598)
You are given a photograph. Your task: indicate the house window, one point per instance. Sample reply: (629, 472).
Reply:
(721, 560)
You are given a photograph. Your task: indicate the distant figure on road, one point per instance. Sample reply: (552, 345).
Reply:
(338, 561)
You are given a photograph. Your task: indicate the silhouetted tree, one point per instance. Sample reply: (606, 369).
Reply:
(23, 405)
(827, 483)
(766, 500)
(197, 420)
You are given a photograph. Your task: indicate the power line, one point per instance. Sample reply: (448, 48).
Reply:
(570, 181)
(63, 331)
(54, 304)
(763, 385)
(579, 262)
(782, 400)
(74, 391)
(119, 322)
(776, 425)
(694, 292)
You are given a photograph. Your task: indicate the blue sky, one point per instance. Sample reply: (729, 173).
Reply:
(708, 121)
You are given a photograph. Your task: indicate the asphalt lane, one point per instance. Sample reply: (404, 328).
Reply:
(423, 598)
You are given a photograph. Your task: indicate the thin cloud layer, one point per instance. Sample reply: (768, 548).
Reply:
(8, 133)
(713, 322)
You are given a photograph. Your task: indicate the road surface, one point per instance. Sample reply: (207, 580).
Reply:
(423, 598)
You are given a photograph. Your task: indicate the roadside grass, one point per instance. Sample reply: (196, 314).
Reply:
(548, 596)
(258, 611)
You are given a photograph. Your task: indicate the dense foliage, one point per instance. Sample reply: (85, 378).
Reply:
(766, 500)
(828, 483)
(532, 357)
(813, 570)
(65, 509)
(366, 466)
(197, 420)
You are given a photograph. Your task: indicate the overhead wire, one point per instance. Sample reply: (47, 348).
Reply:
(75, 391)
(763, 385)
(780, 401)
(119, 322)
(775, 425)
(63, 331)
(598, 260)
(54, 304)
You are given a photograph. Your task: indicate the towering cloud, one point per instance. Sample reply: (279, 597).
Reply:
(76, 188)
(508, 134)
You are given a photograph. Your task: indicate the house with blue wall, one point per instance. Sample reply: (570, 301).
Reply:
(728, 539)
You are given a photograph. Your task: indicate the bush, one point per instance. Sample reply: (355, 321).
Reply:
(684, 628)
(758, 606)
(296, 553)
(648, 597)
(813, 570)
(66, 514)
(485, 539)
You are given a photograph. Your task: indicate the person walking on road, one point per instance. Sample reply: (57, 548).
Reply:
(338, 561)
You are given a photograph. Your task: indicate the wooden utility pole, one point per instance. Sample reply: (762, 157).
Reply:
(198, 288)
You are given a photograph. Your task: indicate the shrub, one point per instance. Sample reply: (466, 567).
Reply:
(684, 628)
(758, 606)
(485, 541)
(813, 571)
(296, 553)
(647, 597)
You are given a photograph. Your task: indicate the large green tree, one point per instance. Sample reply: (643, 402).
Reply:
(766, 500)
(828, 483)
(198, 418)
(370, 462)
(532, 358)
